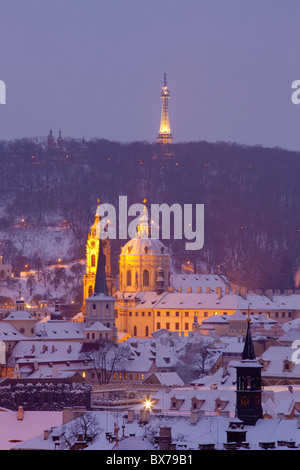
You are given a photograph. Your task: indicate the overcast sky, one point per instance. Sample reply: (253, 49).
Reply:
(95, 68)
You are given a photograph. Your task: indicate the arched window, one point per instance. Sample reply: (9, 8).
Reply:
(128, 278)
(93, 261)
(134, 331)
(145, 277)
(90, 291)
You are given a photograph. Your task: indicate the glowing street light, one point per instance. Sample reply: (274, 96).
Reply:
(148, 404)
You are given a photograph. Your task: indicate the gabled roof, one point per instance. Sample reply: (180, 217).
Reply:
(97, 326)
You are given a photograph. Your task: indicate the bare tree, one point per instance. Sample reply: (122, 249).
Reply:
(78, 270)
(105, 357)
(86, 426)
(31, 283)
(196, 360)
(45, 274)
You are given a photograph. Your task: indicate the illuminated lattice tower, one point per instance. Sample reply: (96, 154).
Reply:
(165, 136)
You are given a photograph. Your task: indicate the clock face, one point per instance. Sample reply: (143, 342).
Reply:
(93, 244)
(245, 400)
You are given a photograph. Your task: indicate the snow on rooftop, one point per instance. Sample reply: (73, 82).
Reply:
(198, 280)
(33, 423)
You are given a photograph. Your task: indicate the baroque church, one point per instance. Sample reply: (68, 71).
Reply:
(151, 296)
(144, 267)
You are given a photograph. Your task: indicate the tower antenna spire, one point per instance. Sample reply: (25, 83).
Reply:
(165, 136)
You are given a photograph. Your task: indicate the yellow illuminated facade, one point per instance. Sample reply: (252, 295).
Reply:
(144, 267)
(165, 136)
(92, 250)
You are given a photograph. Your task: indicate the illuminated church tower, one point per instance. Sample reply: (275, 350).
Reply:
(165, 136)
(92, 251)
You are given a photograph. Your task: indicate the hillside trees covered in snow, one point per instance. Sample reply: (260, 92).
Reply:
(251, 197)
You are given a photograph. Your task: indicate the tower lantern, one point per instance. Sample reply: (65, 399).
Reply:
(165, 136)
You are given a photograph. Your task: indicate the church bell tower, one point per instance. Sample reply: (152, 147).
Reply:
(248, 391)
(92, 251)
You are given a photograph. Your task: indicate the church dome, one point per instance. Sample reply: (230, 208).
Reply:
(144, 246)
(140, 260)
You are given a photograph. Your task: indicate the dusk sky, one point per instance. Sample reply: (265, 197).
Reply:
(95, 68)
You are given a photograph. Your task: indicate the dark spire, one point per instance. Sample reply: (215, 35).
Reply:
(248, 352)
(165, 79)
(100, 281)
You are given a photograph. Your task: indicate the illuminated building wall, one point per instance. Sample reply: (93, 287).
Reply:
(92, 250)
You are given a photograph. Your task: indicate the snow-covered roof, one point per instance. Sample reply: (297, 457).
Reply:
(275, 356)
(198, 280)
(14, 431)
(145, 247)
(292, 334)
(97, 326)
(60, 330)
(133, 442)
(18, 315)
(9, 333)
(211, 301)
(46, 351)
(169, 379)
(208, 429)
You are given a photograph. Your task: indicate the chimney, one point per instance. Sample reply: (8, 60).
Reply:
(67, 415)
(243, 292)
(55, 371)
(269, 294)
(47, 433)
(20, 413)
(165, 438)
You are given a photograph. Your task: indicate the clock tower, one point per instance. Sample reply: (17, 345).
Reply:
(92, 250)
(248, 383)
